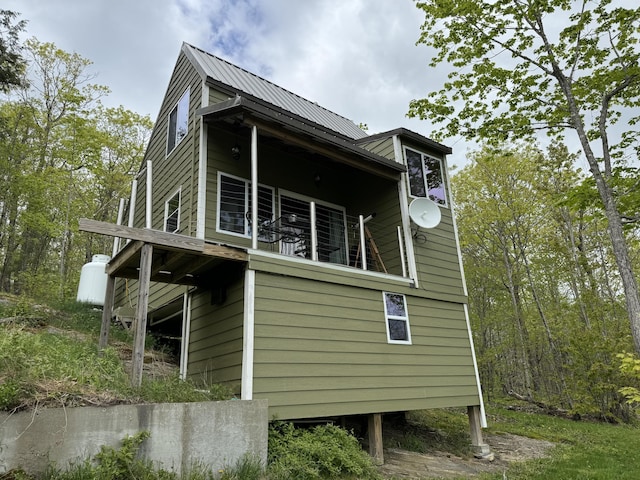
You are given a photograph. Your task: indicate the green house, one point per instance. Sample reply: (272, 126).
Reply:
(296, 257)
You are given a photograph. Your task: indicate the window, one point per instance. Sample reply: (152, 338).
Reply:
(234, 205)
(397, 317)
(295, 219)
(178, 122)
(426, 176)
(172, 213)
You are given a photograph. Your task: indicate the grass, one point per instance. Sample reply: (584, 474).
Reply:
(445, 430)
(50, 357)
(585, 450)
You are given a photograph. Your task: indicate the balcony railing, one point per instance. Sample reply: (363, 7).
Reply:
(324, 234)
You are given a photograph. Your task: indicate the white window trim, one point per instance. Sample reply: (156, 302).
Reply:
(424, 176)
(175, 107)
(336, 267)
(388, 317)
(403, 186)
(247, 233)
(305, 198)
(166, 209)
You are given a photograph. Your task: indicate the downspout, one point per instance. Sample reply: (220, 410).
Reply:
(483, 415)
(201, 209)
(404, 209)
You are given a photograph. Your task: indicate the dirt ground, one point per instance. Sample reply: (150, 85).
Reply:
(506, 449)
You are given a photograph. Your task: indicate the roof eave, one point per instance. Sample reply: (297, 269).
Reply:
(253, 111)
(410, 135)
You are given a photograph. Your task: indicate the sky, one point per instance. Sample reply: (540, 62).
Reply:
(358, 58)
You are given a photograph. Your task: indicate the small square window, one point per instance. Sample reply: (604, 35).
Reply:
(397, 318)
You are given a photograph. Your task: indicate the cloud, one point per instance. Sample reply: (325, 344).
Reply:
(355, 57)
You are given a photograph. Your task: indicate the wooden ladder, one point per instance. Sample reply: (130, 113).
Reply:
(375, 253)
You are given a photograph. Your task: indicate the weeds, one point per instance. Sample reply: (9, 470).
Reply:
(321, 452)
(125, 464)
(428, 430)
(55, 361)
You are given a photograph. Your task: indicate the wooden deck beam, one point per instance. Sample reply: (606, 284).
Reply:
(178, 259)
(152, 255)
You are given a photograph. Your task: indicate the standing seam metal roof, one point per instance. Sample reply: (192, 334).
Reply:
(249, 83)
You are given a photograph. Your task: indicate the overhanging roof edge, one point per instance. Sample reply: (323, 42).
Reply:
(404, 132)
(243, 104)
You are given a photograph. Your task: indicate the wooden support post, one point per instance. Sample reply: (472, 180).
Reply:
(107, 310)
(375, 438)
(146, 254)
(480, 449)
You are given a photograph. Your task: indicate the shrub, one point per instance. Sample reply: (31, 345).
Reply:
(124, 464)
(324, 451)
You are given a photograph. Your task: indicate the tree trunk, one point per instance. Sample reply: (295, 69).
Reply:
(618, 241)
(521, 328)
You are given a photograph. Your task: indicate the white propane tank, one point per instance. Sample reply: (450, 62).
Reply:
(93, 281)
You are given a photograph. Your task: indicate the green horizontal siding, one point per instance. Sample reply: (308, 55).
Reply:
(387, 371)
(351, 407)
(437, 260)
(216, 338)
(321, 349)
(381, 146)
(178, 170)
(283, 265)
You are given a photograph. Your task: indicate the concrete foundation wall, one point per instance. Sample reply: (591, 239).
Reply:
(213, 433)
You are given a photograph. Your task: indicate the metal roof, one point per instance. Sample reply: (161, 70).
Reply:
(407, 134)
(242, 81)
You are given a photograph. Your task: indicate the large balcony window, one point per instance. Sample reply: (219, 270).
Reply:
(301, 226)
(234, 203)
(295, 225)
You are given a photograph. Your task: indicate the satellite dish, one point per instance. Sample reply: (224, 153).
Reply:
(425, 212)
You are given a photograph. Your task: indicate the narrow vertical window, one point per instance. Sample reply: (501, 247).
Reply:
(435, 179)
(178, 122)
(416, 175)
(397, 318)
(172, 213)
(426, 176)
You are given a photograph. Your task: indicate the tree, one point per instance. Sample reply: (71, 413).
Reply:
(518, 73)
(60, 97)
(537, 271)
(12, 64)
(62, 156)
